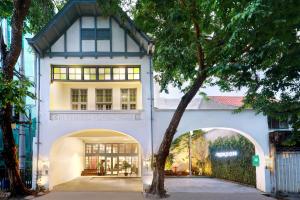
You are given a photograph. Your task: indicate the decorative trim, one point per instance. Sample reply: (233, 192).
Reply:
(74, 9)
(95, 54)
(87, 115)
(125, 42)
(111, 38)
(65, 43)
(80, 39)
(96, 41)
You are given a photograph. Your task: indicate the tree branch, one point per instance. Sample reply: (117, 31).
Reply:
(20, 11)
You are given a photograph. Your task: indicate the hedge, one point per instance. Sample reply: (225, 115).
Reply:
(237, 168)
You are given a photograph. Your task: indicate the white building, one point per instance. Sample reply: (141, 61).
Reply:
(96, 107)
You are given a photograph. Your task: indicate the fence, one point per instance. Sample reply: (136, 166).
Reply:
(288, 172)
(26, 176)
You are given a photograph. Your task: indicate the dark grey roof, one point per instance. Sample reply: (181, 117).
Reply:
(60, 23)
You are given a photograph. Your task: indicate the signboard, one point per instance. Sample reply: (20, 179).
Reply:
(255, 160)
(226, 154)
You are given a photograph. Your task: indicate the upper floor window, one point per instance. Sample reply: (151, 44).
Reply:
(133, 73)
(119, 73)
(79, 99)
(103, 99)
(104, 73)
(96, 73)
(128, 99)
(59, 73)
(89, 74)
(75, 73)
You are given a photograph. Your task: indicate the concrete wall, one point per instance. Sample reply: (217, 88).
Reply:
(253, 127)
(66, 160)
(60, 93)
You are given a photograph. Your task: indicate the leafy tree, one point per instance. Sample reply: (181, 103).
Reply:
(233, 44)
(24, 15)
(269, 34)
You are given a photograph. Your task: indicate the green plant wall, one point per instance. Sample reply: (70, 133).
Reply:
(237, 168)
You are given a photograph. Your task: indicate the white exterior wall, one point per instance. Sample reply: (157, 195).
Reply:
(60, 93)
(253, 127)
(52, 130)
(66, 160)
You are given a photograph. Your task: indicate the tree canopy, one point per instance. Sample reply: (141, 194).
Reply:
(251, 45)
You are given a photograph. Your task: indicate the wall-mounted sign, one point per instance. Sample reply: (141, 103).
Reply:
(255, 160)
(226, 154)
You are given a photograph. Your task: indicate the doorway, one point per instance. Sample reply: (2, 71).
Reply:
(107, 159)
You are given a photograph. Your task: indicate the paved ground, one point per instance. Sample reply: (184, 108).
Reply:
(101, 184)
(179, 189)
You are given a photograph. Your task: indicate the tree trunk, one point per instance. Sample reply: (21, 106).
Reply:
(157, 187)
(10, 155)
(10, 58)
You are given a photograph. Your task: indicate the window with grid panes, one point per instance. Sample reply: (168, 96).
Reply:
(79, 99)
(119, 73)
(104, 73)
(89, 74)
(103, 99)
(128, 99)
(133, 73)
(59, 73)
(75, 73)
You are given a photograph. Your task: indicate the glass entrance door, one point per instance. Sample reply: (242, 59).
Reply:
(108, 165)
(112, 159)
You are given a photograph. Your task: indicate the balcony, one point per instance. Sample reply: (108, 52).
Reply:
(88, 115)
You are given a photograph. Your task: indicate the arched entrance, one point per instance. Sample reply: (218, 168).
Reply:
(220, 150)
(94, 152)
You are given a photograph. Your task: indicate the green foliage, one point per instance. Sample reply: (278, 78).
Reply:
(6, 7)
(13, 93)
(169, 162)
(237, 168)
(179, 151)
(252, 45)
(40, 12)
(261, 53)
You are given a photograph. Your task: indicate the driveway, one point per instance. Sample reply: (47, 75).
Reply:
(101, 184)
(102, 188)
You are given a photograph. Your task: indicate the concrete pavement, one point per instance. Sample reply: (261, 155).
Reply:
(101, 184)
(178, 188)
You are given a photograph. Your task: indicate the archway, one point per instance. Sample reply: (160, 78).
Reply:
(94, 152)
(215, 152)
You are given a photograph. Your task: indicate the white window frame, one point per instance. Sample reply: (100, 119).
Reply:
(79, 103)
(104, 103)
(128, 103)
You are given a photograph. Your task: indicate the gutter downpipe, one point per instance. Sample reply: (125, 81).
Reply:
(152, 99)
(38, 119)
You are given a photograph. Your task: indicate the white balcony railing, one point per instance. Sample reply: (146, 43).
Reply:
(85, 115)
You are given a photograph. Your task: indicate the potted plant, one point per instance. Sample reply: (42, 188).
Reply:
(126, 165)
